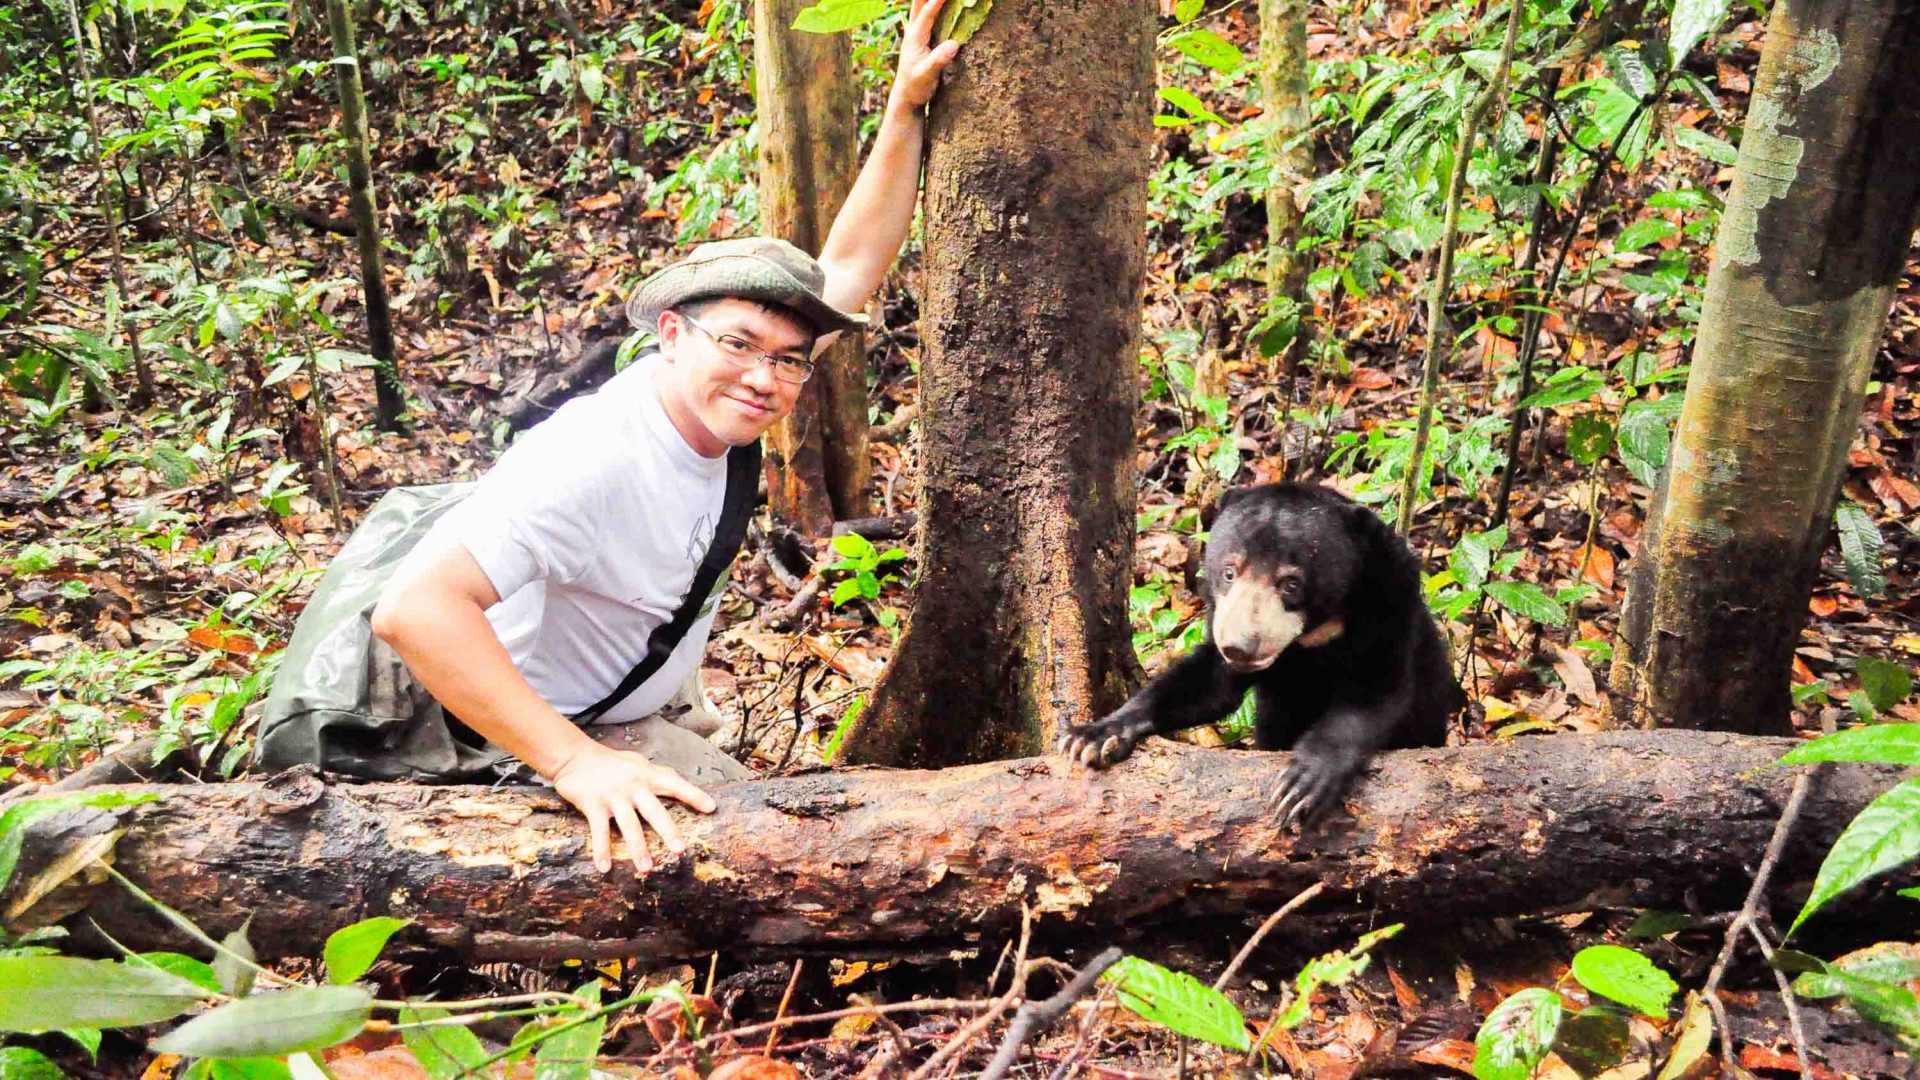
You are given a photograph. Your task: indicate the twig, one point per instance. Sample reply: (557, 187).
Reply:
(1035, 1017)
(897, 426)
(928, 1005)
(1794, 1023)
(1273, 920)
(774, 1035)
(785, 616)
(964, 1038)
(1095, 1020)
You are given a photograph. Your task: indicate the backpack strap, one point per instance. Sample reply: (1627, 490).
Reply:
(743, 489)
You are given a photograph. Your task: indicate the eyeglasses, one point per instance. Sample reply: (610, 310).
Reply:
(741, 354)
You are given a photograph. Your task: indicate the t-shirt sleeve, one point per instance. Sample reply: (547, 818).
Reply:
(535, 515)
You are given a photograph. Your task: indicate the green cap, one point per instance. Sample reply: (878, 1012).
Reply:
(749, 268)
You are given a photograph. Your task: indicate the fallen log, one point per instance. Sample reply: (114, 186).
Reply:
(875, 860)
(585, 373)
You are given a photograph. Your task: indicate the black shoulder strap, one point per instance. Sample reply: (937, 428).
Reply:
(743, 488)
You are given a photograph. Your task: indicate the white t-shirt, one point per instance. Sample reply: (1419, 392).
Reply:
(590, 528)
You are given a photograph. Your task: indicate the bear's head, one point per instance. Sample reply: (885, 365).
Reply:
(1281, 560)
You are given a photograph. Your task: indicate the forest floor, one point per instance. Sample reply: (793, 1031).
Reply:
(160, 558)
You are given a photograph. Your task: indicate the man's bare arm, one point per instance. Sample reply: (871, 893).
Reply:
(435, 617)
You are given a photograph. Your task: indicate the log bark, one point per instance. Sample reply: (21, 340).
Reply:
(1036, 249)
(818, 467)
(874, 860)
(1825, 198)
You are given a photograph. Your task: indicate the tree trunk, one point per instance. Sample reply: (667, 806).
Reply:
(1812, 243)
(906, 861)
(1287, 108)
(390, 396)
(818, 470)
(1036, 250)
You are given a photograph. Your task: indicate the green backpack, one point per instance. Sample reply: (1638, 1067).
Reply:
(345, 701)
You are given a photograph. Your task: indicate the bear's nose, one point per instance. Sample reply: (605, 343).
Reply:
(1237, 654)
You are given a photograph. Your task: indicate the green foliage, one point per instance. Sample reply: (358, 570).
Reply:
(271, 1025)
(1178, 1002)
(1517, 1034)
(1885, 684)
(445, 1051)
(569, 1049)
(1860, 548)
(48, 993)
(15, 819)
(961, 19)
(863, 567)
(830, 751)
(1627, 977)
(1332, 969)
(833, 16)
(1871, 980)
(351, 950)
(1883, 837)
(26, 1063)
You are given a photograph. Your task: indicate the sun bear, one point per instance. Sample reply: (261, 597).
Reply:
(1314, 605)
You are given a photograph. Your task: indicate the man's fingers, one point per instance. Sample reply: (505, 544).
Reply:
(656, 814)
(600, 843)
(636, 836)
(675, 786)
(920, 23)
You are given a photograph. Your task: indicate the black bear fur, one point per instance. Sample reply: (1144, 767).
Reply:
(1368, 670)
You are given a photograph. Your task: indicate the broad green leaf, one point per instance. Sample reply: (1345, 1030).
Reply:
(1627, 977)
(1692, 20)
(845, 591)
(1185, 11)
(570, 1054)
(1886, 684)
(1186, 102)
(443, 1051)
(960, 19)
(1179, 1002)
(1210, 49)
(833, 16)
(194, 971)
(1589, 437)
(853, 546)
(1714, 149)
(351, 950)
(1593, 1040)
(1332, 969)
(284, 369)
(15, 819)
(1889, 1005)
(1643, 437)
(45, 993)
(1517, 1034)
(231, 965)
(240, 1069)
(1654, 924)
(1472, 558)
(88, 1039)
(271, 1025)
(1565, 387)
(1894, 962)
(1884, 836)
(1526, 599)
(174, 466)
(1860, 548)
(228, 321)
(25, 1063)
(1887, 744)
(1642, 233)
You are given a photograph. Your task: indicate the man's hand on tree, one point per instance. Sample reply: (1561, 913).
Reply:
(921, 62)
(620, 786)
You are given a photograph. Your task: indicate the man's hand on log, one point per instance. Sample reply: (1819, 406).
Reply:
(622, 786)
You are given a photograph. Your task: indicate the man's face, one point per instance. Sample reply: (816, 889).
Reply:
(713, 401)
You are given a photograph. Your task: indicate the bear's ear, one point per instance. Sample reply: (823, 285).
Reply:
(1212, 513)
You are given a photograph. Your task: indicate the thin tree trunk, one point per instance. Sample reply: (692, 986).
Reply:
(1283, 97)
(1036, 227)
(1439, 329)
(390, 396)
(875, 860)
(110, 183)
(818, 469)
(1824, 203)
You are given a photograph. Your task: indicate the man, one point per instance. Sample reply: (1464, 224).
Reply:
(536, 595)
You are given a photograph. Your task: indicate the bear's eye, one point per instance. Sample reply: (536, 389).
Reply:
(1226, 574)
(1290, 590)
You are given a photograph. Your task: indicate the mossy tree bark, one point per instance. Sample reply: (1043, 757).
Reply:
(1284, 100)
(1036, 215)
(390, 397)
(808, 97)
(1811, 245)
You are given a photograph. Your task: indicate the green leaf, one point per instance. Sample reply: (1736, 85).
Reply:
(960, 19)
(286, 367)
(228, 321)
(231, 965)
(1179, 1002)
(1186, 102)
(1593, 1040)
(833, 16)
(175, 467)
(1860, 548)
(1714, 149)
(845, 591)
(854, 546)
(271, 1025)
(1627, 977)
(25, 1063)
(1589, 437)
(1642, 233)
(1188, 10)
(1886, 684)
(1210, 49)
(570, 1054)
(88, 1039)
(1472, 558)
(1517, 1034)
(1895, 962)
(1643, 437)
(1565, 387)
(1526, 599)
(444, 1051)
(1654, 924)
(1692, 19)
(194, 971)
(1884, 836)
(241, 1069)
(15, 819)
(1331, 969)
(351, 950)
(1889, 1005)
(45, 993)
(1886, 744)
